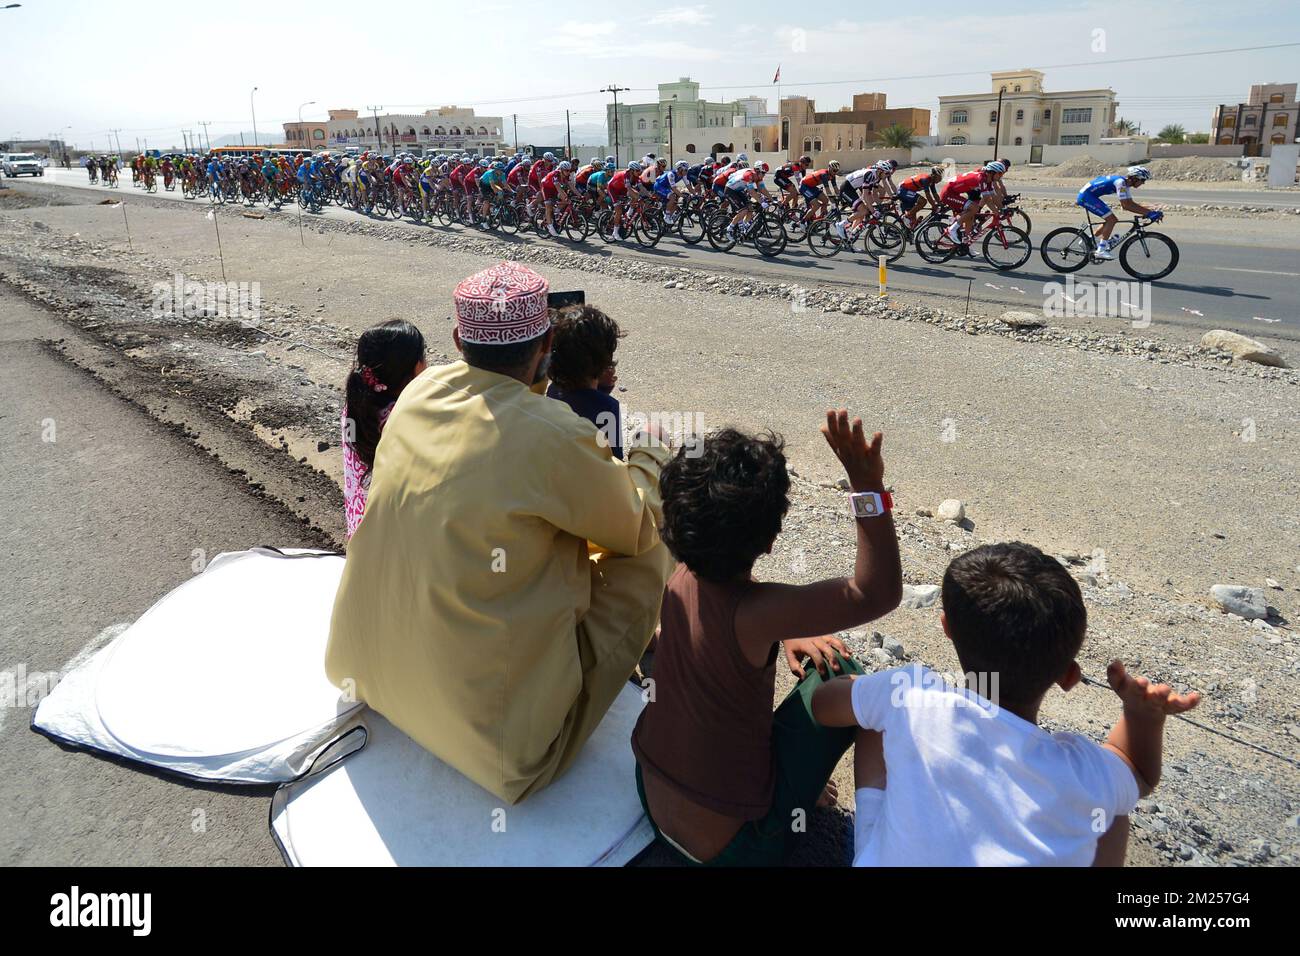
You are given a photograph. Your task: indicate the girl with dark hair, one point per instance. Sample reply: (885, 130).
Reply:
(389, 356)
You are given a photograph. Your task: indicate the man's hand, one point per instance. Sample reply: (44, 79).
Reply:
(861, 460)
(1144, 700)
(820, 650)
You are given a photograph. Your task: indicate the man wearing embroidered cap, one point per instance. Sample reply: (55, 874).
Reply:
(508, 574)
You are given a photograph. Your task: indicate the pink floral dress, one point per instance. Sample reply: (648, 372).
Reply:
(356, 476)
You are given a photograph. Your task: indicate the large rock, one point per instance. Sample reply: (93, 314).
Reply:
(1242, 348)
(1024, 320)
(951, 510)
(917, 596)
(1236, 599)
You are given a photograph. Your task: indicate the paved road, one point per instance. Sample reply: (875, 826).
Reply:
(1243, 279)
(1161, 195)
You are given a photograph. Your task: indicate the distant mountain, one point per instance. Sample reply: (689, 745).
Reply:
(553, 135)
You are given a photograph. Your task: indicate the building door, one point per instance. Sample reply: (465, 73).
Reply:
(1035, 154)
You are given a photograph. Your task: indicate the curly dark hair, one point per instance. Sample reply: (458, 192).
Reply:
(1015, 612)
(390, 351)
(723, 507)
(584, 345)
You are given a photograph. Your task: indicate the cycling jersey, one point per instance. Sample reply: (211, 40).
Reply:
(786, 173)
(538, 172)
(721, 173)
(618, 184)
(976, 181)
(693, 173)
(515, 178)
(664, 184)
(863, 178)
(743, 180)
(920, 182)
(816, 179)
(553, 182)
(493, 177)
(599, 178)
(583, 175)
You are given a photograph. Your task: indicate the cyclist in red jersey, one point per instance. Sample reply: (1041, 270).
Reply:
(555, 189)
(786, 176)
(618, 190)
(967, 194)
(810, 187)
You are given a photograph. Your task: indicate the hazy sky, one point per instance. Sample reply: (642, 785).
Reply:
(153, 70)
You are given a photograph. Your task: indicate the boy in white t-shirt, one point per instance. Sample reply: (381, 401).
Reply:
(952, 775)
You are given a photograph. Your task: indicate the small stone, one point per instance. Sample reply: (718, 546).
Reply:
(1273, 584)
(322, 446)
(924, 513)
(1024, 320)
(952, 510)
(882, 657)
(877, 639)
(1242, 348)
(917, 596)
(894, 647)
(1246, 602)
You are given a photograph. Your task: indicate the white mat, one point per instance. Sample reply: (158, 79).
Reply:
(222, 679)
(395, 804)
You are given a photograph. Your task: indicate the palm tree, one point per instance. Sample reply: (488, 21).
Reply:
(1124, 126)
(898, 136)
(1173, 133)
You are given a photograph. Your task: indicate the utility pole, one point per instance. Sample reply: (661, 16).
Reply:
(514, 118)
(568, 136)
(997, 132)
(670, 134)
(185, 141)
(612, 88)
(205, 124)
(253, 108)
(375, 111)
(115, 133)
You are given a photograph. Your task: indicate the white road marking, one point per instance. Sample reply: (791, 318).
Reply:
(1261, 272)
(1193, 311)
(992, 286)
(1260, 318)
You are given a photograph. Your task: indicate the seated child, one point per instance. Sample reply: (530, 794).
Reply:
(389, 356)
(582, 370)
(964, 776)
(724, 780)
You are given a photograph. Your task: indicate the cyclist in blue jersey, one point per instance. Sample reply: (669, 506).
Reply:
(668, 187)
(1119, 184)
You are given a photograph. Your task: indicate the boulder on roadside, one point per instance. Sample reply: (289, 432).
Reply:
(1242, 348)
(917, 596)
(1024, 320)
(1242, 601)
(951, 510)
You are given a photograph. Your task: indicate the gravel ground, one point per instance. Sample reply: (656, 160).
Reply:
(1154, 470)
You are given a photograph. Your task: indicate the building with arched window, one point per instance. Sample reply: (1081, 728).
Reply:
(1270, 115)
(446, 128)
(1030, 114)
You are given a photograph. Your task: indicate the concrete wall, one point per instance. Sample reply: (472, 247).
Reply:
(1230, 151)
(851, 159)
(1118, 154)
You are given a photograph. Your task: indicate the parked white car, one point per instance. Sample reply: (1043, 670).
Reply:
(22, 164)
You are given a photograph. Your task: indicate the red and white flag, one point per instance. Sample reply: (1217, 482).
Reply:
(777, 78)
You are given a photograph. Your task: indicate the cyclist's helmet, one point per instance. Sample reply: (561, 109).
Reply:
(936, 172)
(526, 161)
(994, 167)
(833, 165)
(805, 161)
(761, 168)
(661, 162)
(549, 157)
(595, 161)
(1139, 172)
(886, 166)
(742, 158)
(564, 166)
(724, 161)
(682, 164)
(498, 165)
(483, 162)
(611, 159)
(610, 165)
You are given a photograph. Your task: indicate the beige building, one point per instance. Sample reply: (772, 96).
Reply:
(805, 130)
(446, 128)
(1270, 115)
(1031, 116)
(640, 128)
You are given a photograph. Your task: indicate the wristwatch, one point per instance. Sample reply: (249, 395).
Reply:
(870, 504)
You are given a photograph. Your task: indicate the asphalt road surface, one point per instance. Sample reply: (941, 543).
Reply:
(1238, 274)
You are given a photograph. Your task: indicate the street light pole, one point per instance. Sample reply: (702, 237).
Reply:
(374, 110)
(612, 88)
(205, 124)
(997, 131)
(253, 108)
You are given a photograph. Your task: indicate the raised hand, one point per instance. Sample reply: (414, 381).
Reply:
(861, 459)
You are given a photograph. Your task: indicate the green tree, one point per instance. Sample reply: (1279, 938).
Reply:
(898, 136)
(1124, 127)
(1198, 137)
(1173, 133)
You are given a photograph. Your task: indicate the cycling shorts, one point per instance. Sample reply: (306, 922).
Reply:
(810, 192)
(1093, 204)
(907, 199)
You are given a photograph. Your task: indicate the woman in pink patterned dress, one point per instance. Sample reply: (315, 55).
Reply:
(388, 357)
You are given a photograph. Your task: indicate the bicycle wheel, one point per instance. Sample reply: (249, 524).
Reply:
(1148, 256)
(888, 238)
(575, 226)
(1007, 248)
(769, 238)
(933, 245)
(649, 227)
(1020, 219)
(1066, 249)
(715, 228)
(690, 227)
(824, 241)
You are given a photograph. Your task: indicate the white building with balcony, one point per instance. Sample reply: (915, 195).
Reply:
(1031, 116)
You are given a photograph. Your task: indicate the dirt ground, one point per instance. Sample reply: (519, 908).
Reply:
(1153, 481)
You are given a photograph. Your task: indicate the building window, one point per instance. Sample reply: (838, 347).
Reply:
(1279, 137)
(690, 147)
(439, 132)
(1275, 98)
(991, 141)
(839, 142)
(958, 116)
(957, 141)
(482, 130)
(455, 131)
(1229, 122)
(785, 134)
(1279, 119)
(1047, 114)
(640, 124)
(424, 131)
(1083, 115)
(1074, 140)
(654, 124)
(1225, 140)
(758, 147)
(871, 126)
(807, 146)
(1250, 121)
(318, 134)
(1017, 87)
(993, 116)
(1020, 116)
(1019, 141)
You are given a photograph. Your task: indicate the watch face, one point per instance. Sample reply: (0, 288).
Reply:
(864, 506)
